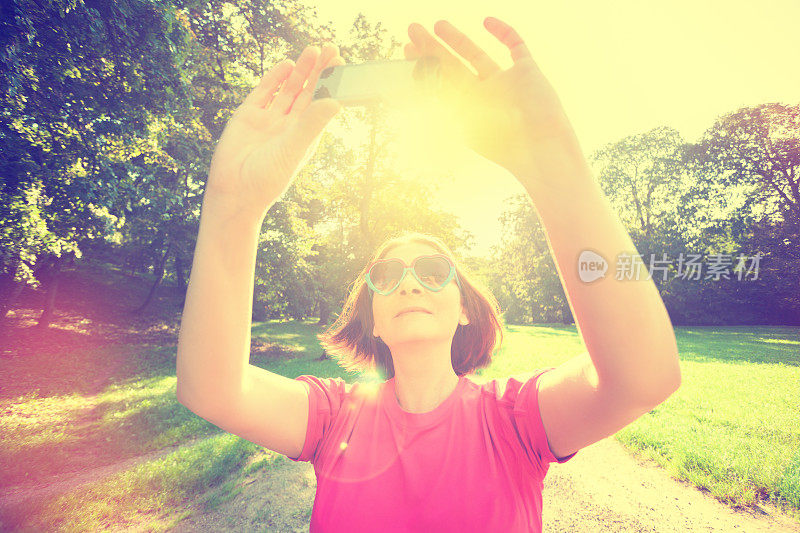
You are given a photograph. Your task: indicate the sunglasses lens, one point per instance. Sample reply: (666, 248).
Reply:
(385, 275)
(432, 271)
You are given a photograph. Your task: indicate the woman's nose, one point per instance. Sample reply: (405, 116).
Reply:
(409, 278)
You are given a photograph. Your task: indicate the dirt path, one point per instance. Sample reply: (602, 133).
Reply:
(602, 489)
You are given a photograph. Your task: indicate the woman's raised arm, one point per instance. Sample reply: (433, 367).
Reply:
(268, 138)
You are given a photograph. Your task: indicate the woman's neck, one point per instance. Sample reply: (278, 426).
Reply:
(423, 392)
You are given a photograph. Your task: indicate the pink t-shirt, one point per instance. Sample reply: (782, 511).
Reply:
(476, 462)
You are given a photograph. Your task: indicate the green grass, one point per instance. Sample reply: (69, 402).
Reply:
(156, 492)
(732, 428)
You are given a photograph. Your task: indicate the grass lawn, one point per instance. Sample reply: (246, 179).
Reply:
(732, 428)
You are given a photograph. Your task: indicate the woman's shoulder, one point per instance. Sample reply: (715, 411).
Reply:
(340, 384)
(332, 389)
(506, 388)
(366, 390)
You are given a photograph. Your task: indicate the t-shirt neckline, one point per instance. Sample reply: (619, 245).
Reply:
(406, 418)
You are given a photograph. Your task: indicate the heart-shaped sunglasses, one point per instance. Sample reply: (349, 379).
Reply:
(433, 272)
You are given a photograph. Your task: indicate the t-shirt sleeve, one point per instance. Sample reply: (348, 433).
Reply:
(524, 393)
(325, 397)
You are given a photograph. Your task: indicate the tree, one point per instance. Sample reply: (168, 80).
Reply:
(80, 80)
(759, 146)
(526, 281)
(757, 150)
(640, 175)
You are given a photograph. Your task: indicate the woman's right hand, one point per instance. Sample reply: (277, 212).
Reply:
(271, 136)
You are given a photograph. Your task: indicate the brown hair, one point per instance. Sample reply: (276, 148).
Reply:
(350, 341)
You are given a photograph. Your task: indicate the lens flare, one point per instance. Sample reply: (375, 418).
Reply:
(428, 133)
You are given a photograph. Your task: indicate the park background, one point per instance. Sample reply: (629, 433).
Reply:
(688, 113)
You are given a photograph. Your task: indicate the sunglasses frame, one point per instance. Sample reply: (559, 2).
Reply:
(406, 269)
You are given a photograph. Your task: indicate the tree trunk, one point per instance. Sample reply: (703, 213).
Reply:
(180, 282)
(179, 274)
(53, 279)
(9, 289)
(566, 313)
(159, 272)
(324, 312)
(11, 299)
(366, 198)
(132, 264)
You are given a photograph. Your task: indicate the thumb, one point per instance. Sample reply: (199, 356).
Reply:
(314, 119)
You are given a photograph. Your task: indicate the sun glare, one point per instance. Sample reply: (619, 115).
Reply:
(427, 136)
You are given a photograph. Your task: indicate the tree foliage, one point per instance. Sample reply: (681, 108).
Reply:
(109, 113)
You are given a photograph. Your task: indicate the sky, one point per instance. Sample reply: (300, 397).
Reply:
(619, 68)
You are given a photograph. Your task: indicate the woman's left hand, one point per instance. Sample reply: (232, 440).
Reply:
(508, 115)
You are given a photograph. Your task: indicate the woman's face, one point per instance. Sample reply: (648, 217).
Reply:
(444, 309)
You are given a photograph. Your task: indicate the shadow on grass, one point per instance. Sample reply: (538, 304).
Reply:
(750, 344)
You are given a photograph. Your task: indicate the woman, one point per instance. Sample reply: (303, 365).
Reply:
(429, 448)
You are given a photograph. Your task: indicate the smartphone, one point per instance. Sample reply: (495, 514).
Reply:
(373, 81)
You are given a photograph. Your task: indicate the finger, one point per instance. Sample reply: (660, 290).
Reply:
(283, 100)
(328, 58)
(462, 44)
(427, 44)
(508, 36)
(262, 93)
(411, 51)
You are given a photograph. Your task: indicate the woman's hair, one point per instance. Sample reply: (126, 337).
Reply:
(350, 339)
